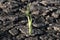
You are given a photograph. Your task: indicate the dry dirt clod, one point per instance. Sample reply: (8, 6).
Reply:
(35, 13)
(24, 0)
(55, 15)
(30, 38)
(13, 31)
(20, 36)
(44, 3)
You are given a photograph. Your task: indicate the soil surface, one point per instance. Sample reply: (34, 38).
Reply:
(45, 15)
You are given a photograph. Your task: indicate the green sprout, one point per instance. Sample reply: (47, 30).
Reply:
(29, 19)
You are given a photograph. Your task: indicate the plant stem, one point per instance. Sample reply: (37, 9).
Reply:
(29, 19)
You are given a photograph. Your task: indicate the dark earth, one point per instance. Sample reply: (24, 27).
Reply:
(45, 15)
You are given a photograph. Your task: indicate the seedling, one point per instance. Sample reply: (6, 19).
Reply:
(28, 15)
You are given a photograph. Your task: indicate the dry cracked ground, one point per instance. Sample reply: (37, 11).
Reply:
(45, 15)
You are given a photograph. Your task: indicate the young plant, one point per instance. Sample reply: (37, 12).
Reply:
(29, 18)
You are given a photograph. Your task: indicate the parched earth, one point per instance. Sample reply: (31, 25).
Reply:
(45, 15)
